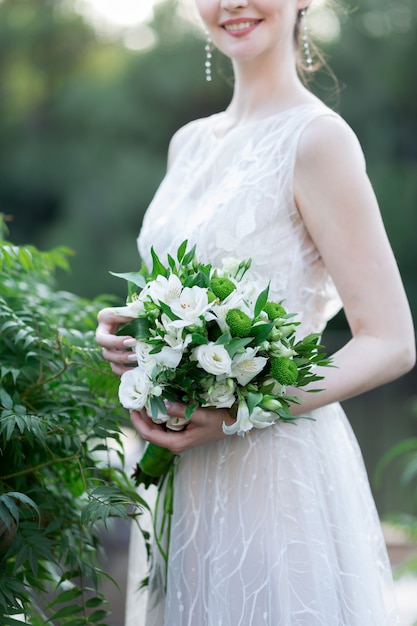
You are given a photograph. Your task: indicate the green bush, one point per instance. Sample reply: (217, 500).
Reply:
(60, 423)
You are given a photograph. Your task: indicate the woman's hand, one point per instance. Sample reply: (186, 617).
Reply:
(205, 426)
(116, 350)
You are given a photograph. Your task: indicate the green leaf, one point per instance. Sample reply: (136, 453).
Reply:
(166, 309)
(181, 250)
(137, 328)
(260, 332)
(132, 277)
(253, 399)
(236, 345)
(198, 339)
(66, 596)
(65, 611)
(188, 258)
(157, 268)
(261, 301)
(96, 616)
(5, 399)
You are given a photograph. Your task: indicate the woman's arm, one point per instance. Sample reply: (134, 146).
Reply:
(338, 206)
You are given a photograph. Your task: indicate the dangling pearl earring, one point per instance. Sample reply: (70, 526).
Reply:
(208, 48)
(304, 37)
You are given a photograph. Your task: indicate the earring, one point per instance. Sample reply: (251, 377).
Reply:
(304, 38)
(207, 64)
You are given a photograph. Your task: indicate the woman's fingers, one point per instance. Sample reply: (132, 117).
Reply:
(116, 349)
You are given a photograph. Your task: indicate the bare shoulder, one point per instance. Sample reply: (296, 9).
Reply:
(329, 141)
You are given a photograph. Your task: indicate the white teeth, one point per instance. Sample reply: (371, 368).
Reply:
(239, 25)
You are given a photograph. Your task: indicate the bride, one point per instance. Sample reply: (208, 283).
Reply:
(278, 528)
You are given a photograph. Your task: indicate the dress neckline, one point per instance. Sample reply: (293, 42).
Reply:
(212, 119)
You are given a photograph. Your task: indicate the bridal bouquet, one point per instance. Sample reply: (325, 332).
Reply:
(207, 337)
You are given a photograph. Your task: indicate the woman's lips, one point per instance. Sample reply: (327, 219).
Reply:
(239, 28)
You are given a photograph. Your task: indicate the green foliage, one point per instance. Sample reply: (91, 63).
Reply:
(404, 455)
(59, 424)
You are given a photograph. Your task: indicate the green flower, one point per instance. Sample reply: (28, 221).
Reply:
(222, 287)
(211, 297)
(239, 323)
(284, 370)
(274, 310)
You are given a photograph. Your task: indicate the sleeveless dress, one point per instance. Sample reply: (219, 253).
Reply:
(277, 528)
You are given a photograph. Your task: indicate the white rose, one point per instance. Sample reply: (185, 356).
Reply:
(134, 388)
(146, 360)
(220, 395)
(246, 366)
(213, 358)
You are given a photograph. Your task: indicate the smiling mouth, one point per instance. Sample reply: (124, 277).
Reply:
(240, 26)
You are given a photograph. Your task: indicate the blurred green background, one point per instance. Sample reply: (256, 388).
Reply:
(86, 114)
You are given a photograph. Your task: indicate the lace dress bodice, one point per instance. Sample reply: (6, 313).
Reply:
(278, 528)
(233, 196)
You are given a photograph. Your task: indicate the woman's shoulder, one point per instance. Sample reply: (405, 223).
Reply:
(183, 135)
(327, 136)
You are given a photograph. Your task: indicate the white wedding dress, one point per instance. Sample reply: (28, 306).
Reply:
(277, 528)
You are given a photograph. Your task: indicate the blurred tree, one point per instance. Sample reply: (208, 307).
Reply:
(85, 124)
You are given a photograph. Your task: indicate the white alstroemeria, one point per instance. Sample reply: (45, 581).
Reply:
(220, 395)
(247, 365)
(176, 423)
(242, 423)
(245, 422)
(191, 306)
(168, 357)
(131, 309)
(213, 358)
(134, 389)
(163, 289)
(173, 336)
(248, 292)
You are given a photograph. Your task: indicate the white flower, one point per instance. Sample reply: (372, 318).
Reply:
(242, 424)
(220, 395)
(230, 265)
(132, 309)
(261, 418)
(146, 360)
(168, 357)
(246, 366)
(245, 422)
(191, 306)
(134, 388)
(213, 358)
(163, 289)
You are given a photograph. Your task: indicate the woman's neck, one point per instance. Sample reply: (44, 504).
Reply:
(260, 91)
